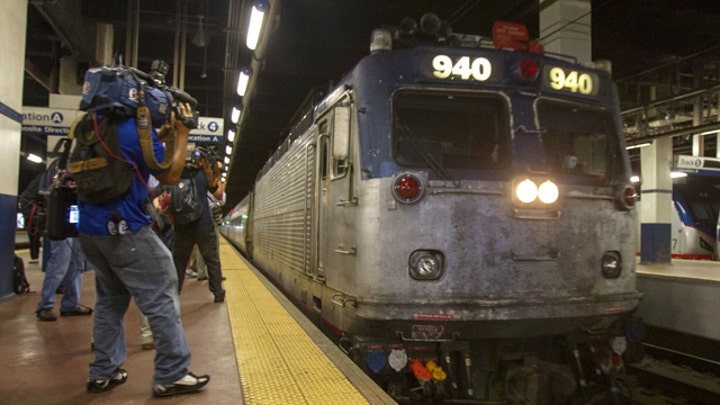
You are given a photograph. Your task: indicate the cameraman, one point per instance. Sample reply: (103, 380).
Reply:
(206, 175)
(131, 261)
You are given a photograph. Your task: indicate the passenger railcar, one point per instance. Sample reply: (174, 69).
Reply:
(461, 217)
(696, 202)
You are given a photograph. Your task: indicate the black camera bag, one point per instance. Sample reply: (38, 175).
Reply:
(57, 215)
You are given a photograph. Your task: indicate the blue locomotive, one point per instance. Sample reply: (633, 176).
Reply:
(460, 217)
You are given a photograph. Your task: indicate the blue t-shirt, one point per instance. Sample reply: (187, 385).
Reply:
(98, 219)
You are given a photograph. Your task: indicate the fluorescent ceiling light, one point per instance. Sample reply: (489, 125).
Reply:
(257, 16)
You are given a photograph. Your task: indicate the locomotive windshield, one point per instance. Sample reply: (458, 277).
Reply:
(579, 141)
(450, 131)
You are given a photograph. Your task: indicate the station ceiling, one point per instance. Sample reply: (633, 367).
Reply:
(313, 42)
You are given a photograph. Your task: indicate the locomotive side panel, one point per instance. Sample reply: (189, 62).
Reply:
(281, 229)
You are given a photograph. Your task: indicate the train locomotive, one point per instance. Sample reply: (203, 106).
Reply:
(460, 218)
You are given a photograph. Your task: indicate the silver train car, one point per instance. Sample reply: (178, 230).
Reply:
(460, 218)
(694, 217)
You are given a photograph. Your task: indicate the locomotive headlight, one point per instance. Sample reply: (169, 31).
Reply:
(548, 192)
(611, 265)
(526, 191)
(426, 264)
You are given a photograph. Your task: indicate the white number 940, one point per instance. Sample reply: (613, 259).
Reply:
(479, 69)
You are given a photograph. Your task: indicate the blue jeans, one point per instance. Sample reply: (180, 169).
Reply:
(64, 267)
(136, 264)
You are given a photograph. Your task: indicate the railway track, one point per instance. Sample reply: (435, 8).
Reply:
(666, 376)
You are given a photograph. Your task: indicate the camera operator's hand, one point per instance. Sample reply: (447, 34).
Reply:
(181, 124)
(185, 114)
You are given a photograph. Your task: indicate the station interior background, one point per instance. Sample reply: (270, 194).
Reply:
(660, 50)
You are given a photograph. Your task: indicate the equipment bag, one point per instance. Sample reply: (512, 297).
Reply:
(96, 162)
(20, 283)
(184, 203)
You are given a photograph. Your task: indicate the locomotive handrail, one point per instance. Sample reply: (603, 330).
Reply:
(351, 251)
(348, 203)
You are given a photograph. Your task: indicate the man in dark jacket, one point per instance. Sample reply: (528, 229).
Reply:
(203, 169)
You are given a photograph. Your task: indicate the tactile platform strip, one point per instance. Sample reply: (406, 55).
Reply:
(277, 361)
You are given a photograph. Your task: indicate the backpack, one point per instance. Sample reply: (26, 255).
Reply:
(20, 283)
(96, 162)
(184, 203)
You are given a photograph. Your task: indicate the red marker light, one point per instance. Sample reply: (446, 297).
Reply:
(407, 188)
(630, 196)
(528, 69)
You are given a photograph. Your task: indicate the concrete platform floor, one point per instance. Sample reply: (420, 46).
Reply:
(47, 362)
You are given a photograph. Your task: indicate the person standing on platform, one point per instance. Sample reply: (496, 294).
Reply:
(215, 205)
(65, 264)
(65, 267)
(29, 205)
(132, 262)
(203, 169)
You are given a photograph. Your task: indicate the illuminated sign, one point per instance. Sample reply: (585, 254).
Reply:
(47, 121)
(209, 130)
(459, 67)
(705, 166)
(570, 81)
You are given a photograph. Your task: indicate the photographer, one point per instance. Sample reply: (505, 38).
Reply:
(203, 168)
(132, 262)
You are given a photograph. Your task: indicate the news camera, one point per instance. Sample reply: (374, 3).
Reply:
(194, 158)
(126, 88)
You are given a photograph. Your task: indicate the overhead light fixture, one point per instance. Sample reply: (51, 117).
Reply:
(635, 179)
(200, 39)
(235, 114)
(243, 79)
(228, 150)
(712, 132)
(257, 16)
(677, 175)
(640, 145)
(227, 160)
(34, 158)
(231, 135)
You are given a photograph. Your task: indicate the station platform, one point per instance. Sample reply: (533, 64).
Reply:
(680, 306)
(257, 348)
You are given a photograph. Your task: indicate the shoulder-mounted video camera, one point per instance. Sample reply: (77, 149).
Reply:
(122, 87)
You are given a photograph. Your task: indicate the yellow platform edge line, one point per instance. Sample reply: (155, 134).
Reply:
(278, 362)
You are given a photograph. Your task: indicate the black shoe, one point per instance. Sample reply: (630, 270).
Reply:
(97, 386)
(79, 311)
(46, 315)
(220, 297)
(189, 383)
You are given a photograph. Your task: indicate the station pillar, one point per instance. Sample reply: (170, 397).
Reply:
(656, 202)
(565, 28)
(13, 22)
